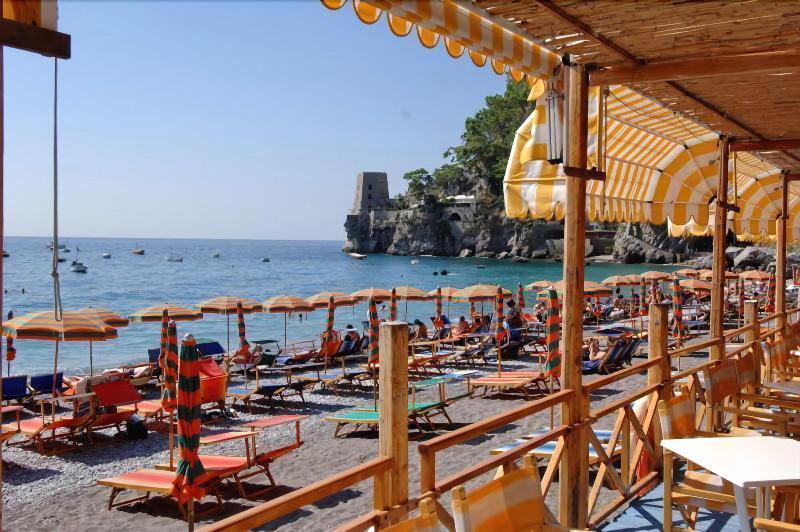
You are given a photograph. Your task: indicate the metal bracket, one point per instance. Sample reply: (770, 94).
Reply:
(585, 173)
(729, 206)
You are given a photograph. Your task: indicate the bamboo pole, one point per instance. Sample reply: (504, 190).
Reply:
(391, 487)
(574, 467)
(718, 260)
(780, 254)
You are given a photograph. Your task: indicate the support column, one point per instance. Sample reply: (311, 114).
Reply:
(718, 260)
(391, 489)
(661, 373)
(574, 469)
(780, 253)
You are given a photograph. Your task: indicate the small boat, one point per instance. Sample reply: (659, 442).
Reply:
(60, 246)
(173, 258)
(415, 262)
(443, 272)
(481, 267)
(106, 255)
(64, 250)
(62, 259)
(264, 259)
(357, 256)
(215, 255)
(137, 250)
(6, 254)
(78, 267)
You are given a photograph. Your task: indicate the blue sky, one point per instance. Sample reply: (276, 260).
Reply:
(224, 120)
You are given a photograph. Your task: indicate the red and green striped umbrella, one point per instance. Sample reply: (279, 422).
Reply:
(520, 297)
(240, 323)
(740, 295)
(498, 309)
(438, 298)
(643, 296)
(677, 307)
(771, 293)
(169, 392)
(330, 316)
(374, 330)
(190, 474)
(795, 274)
(164, 332)
(552, 364)
(393, 306)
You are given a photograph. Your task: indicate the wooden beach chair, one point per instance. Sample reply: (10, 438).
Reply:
(512, 502)
(504, 384)
(110, 398)
(63, 429)
(369, 416)
(10, 430)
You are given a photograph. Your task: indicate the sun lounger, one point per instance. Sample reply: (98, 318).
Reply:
(63, 429)
(10, 430)
(369, 416)
(610, 361)
(156, 481)
(43, 384)
(504, 384)
(110, 396)
(269, 391)
(15, 388)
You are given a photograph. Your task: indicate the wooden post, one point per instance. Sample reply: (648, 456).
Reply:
(661, 373)
(718, 261)
(574, 468)
(391, 488)
(780, 253)
(751, 335)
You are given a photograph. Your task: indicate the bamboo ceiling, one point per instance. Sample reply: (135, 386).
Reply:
(616, 33)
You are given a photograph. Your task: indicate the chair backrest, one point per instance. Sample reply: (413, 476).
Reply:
(210, 369)
(116, 393)
(208, 349)
(153, 354)
(330, 344)
(746, 370)
(614, 352)
(776, 352)
(512, 502)
(15, 387)
(425, 522)
(721, 382)
(677, 417)
(44, 383)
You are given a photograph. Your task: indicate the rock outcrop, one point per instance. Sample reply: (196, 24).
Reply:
(638, 243)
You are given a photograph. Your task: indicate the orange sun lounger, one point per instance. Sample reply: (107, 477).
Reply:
(67, 428)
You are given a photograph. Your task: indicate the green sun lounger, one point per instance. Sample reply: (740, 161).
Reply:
(368, 416)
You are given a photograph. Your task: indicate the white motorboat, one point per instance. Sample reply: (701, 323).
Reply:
(215, 255)
(264, 259)
(106, 255)
(357, 256)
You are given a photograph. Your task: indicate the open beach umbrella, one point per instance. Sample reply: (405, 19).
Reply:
(696, 285)
(677, 309)
(448, 293)
(438, 298)
(286, 305)
(619, 280)
(590, 290)
(480, 292)
(708, 275)
(520, 297)
(699, 273)
(190, 474)
(72, 327)
(498, 316)
(539, 285)
(409, 293)
(393, 306)
(686, 272)
(654, 275)
(227, 305)
(378, 294)
(340, 299)
(169, 390)
(754, 275)
(154, 313)
(109, 318)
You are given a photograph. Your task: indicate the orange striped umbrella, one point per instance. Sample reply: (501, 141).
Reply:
(378, 294)
(620, 280)
(409, 293)
(448, 292)
(339, 300)
(537, 285)
(654, 275)
(393, 306)
(696, 285)
(708, 275)
(106, 316)
(686, 272)
(480, 292)
(286, 305)
(190, 474)
(154, 313)
(754, 275)
(227, 305)
(374, 330)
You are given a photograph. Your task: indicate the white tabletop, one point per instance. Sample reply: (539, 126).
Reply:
(792, 387)
(745, 462)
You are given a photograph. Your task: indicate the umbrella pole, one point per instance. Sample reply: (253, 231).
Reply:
(190, 514)
(55, 371)
(171, 443)
(228, 317)
(406, 311)
(285, 344)
(91, 361)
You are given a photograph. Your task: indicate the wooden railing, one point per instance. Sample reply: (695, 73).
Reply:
(633, 434)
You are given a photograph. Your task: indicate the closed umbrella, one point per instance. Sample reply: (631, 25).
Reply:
(330, 316)
(393, 306)
(374, 330)
(11, 352)
(286, 305)
(240, 325)
(498, 316)
(190, 474)
(552, 328)
(169, 390)
(438, 298)
(771, 294)
(227, 305)
(677, 310)
(521, 297)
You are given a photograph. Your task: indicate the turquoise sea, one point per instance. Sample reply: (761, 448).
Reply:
(128, 282)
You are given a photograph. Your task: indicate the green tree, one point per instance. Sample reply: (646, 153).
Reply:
(419, 183)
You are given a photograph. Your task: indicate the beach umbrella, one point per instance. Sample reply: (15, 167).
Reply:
(520, 297)
(108, 317)
(190, 474)
(330, 316)
(11, 353)
(409, 293)
(686, 272)
(696, 285)
(378, 294)
(374, 331)
(480, 292)
(339, 300)
(708, 275)
(448, 293)
(227, 305)
(498, 316)
(539, 285)
(619, 280)
(393, 306)
(286, 305)
(654, 275)
(154, 313)
(590, 290)
(552, 329)
(677, 309)
(169, 390)
(73, 326)
(754, 275)
(438, 298)
(240, 324)
(771, 294)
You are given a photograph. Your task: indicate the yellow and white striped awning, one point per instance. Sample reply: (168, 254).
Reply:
(462, 28)
(659, 166)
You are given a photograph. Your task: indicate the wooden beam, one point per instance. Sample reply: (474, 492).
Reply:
(718, 258)
(34, 39)
(574, 468)
(697, 68)
(780, 252)
(765, 145)
(589, 33)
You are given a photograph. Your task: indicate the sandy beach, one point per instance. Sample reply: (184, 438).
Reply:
(45, 492)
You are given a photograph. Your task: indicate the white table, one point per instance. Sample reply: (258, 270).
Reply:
(758, 463)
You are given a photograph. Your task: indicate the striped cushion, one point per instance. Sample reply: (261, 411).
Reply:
(721, 381)
(776, 351)
(511, 502)
(746, 368)
(677, 417)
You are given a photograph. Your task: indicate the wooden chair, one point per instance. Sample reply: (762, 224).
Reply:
(512, 502)
(770, 525)
(426, 521)
(698, 489)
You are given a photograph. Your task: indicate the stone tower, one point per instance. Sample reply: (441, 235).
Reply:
(372, 192)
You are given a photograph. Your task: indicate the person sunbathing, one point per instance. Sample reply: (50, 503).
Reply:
(592, 351)
(463, 326)
(420, 332)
